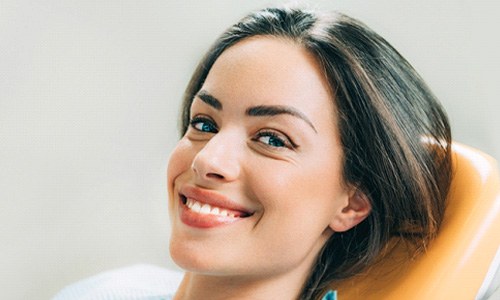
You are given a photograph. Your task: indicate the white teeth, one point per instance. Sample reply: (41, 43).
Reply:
(207, 209)
(196, 207)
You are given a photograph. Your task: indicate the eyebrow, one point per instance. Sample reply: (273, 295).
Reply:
(258, 111)
(274, 110)
(209, 99)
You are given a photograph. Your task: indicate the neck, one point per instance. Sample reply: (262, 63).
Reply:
(198, 286)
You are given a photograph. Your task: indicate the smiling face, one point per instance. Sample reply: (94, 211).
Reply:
(255, 185)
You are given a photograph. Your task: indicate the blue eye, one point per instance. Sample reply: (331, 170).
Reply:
(274, 140)
(204, 125)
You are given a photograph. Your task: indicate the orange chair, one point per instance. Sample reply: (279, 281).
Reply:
(458, 260)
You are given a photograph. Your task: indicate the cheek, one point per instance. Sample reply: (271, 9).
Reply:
(179, 162)
(304, 196)
(295, 221)
(319, 180)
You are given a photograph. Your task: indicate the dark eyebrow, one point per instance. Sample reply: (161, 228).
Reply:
(261, 110)
(273, 110)
(209, 99)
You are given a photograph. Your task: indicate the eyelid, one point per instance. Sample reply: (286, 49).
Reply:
(287, 141)
(277, 134)
(202, 118)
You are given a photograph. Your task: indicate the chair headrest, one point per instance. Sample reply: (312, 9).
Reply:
(457, 261)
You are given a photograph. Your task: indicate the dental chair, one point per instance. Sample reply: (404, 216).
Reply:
(462, 261)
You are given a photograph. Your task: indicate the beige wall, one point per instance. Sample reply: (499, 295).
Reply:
(89, 92)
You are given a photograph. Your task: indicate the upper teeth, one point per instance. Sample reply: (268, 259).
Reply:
(204, 208)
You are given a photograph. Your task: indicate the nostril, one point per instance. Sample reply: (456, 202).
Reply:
(215, 175)
(216, 167)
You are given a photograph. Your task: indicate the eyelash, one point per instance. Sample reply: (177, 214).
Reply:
(197, 120)
(284, 141)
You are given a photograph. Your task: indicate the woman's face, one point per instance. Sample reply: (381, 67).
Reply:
(255, 185)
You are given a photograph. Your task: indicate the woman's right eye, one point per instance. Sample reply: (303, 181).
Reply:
(204, 124)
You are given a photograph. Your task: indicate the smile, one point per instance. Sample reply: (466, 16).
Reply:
(207, 209)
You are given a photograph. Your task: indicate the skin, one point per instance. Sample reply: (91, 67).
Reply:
(284, 168)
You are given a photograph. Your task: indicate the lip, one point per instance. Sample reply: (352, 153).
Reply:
(198, 220)
(213, 198)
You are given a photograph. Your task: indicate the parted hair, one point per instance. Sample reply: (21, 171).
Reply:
(395, 134)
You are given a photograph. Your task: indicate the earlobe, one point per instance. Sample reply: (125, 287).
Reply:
(357, 209)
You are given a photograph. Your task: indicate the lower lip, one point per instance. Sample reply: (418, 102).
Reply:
(198, 220)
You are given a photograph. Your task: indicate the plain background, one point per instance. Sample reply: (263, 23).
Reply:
(89, 95)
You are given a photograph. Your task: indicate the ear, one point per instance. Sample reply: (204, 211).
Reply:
(356, 209)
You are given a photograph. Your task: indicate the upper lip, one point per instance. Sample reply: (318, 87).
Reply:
(212, 198)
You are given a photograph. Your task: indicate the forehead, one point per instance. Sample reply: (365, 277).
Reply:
(265, 70)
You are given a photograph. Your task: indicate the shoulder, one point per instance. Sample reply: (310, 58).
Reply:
(137, 282)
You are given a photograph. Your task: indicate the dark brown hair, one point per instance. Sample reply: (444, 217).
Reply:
(395, 135)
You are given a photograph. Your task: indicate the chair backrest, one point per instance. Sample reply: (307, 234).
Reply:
(457, 261)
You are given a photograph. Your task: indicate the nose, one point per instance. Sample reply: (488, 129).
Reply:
(218, 160)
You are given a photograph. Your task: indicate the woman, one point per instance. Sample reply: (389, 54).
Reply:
(309, 129)
(308, 142)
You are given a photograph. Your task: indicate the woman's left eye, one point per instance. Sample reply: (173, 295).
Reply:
(204, 124)
(274, 140)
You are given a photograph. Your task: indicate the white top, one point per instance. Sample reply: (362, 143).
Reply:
(148, 282)
(138, 282)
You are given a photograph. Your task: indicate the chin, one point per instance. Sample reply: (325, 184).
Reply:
(190, 257)
(203, 260)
